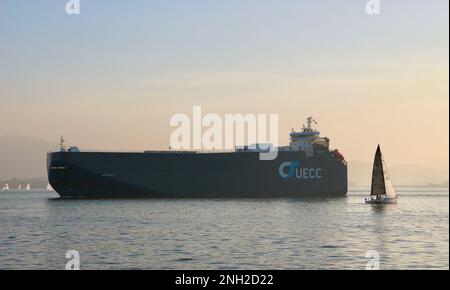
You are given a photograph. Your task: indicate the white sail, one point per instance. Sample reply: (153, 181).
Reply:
(28, 187)
(20, 187)
(389, 187)
(6, 187)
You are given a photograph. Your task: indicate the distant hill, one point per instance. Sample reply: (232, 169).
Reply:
(443, 185)
(360, 174)
(23, 156)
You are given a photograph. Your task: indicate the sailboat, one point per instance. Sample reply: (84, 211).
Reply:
(20, 187)
(5, 187)
(28, 187)
(382, 191)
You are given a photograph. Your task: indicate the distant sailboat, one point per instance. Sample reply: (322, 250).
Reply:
(5, 187)
(28, 187)
(382, 191)
(20, 187)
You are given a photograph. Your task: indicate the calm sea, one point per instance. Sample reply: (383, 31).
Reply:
(36, 231)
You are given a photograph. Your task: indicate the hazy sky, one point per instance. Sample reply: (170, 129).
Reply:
(111, 77)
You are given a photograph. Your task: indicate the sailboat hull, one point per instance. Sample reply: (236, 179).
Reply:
(383, 200)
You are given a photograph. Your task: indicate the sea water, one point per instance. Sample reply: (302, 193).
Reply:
(37, 230)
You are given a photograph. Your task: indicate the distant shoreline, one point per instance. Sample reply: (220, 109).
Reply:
(401, 188)
(39, 183)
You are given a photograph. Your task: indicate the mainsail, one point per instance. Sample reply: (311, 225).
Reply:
(381, 180)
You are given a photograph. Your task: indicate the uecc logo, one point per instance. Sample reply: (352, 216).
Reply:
(287, 169)
(290, 169)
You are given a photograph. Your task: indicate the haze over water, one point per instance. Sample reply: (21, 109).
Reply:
(330, 233)
(111, 77)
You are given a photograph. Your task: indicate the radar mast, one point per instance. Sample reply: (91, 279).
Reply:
(61, 144)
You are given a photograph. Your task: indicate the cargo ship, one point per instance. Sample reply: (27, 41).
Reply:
(306, 167)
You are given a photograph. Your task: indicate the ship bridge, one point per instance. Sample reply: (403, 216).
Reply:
(306, 139)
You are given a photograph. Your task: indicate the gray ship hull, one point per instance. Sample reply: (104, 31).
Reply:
(199, 175)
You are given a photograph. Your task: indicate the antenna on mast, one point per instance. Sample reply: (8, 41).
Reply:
(309, 121)
(61, 144)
